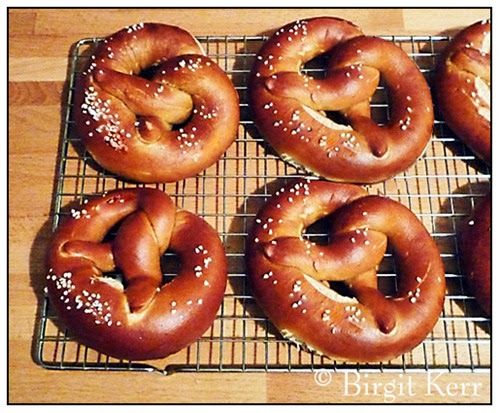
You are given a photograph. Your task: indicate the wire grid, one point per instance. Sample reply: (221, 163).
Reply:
(441, 189)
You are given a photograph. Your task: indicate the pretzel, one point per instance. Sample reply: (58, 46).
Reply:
(289, 107)
(475, 253)
(288, 272)
(462, 87)
(141, 318)
(162, 129)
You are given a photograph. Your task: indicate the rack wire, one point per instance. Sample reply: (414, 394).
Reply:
(441, 189)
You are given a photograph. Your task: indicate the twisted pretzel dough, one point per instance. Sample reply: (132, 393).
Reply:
(289, 107)
(462, 87)
(475, 248)
(144, 319)
(286, 272)
(127, 122)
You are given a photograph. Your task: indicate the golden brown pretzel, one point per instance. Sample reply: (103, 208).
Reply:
(289, 107)
(127, 122)
(144, 319)
(462, 87)
(286, 271)
(475, 253)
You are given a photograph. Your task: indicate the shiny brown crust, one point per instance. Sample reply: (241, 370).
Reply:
(288, 107)
(462, 87)
(475, 253)
(286, 272)
(127, 122)
(146, 320)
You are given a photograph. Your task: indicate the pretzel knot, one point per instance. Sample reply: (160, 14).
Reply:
(462, 87)
(288, 272)
(290, 107)
(143, 318)
(168, 125)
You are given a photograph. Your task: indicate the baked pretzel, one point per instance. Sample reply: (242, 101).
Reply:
(141, 318)
(288, 272)
(289, 107)
(475, 253)
(162, 129)
(462, 87)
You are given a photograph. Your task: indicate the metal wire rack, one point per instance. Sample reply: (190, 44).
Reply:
(441, 189)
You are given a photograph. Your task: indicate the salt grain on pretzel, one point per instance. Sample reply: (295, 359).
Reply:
(369, 326)
(462, 87)
(141, 318)
(127, 122)
(289, 107)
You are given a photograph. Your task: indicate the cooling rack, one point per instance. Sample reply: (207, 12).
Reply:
(441, 189)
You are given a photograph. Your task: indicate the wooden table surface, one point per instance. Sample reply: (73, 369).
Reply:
(39, 45)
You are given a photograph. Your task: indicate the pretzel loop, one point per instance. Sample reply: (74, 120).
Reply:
(288, 272)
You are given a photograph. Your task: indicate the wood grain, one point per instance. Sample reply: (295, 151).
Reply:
(35, 94)
(40, 42)
(22, 21)
(456, 19)
(200, 21)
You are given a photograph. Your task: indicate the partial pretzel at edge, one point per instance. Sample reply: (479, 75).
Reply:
(462, 87)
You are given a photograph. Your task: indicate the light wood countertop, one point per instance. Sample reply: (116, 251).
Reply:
(39, 46)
